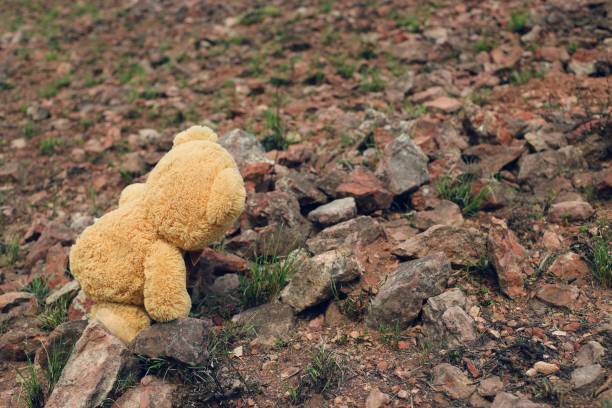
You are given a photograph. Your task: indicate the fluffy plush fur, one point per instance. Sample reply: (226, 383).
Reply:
(130, 262)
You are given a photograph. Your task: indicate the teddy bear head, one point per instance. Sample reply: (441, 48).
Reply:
(195, 191)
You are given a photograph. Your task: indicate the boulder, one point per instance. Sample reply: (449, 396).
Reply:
(445, 213)
(570, 211)
(362, 230)
(445, 320)
(369, 193)
(452, 381)
(508, 257)
(558, 294)
(152, 392)
(312, 283)
(184, 339)
(583, 377)
(462, 246)
(404, 165)
(244, 147)
(93, 368)
(546, 165)
(332, 213)
(270, 321)
(507, 400)
(590, 353)
(400, 298)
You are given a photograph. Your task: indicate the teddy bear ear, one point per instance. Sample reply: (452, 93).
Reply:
(195, 133)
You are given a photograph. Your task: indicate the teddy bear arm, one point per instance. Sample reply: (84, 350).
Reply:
(165, 287)
(226, 200)
(131, 193)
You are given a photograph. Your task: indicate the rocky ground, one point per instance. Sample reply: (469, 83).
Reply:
(427, 221)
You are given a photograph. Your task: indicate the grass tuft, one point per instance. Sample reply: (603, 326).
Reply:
(324, 373)
(269, 274)
(32, 391)
(39, 287)
(459, 191)
(519, 20)
(54, 314)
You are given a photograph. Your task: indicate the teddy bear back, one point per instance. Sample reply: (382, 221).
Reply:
(178, 190)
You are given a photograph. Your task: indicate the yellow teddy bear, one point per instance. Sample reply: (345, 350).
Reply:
(130, 262)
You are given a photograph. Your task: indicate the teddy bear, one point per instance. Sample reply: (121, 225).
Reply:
(130, 262)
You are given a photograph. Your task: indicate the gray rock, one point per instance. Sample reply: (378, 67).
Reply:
(445, 320)
(507, 400)
(445, 213)
(533, 168)
(452, 381)
(17, 304)
(244, 147)
(543, 139)
(401, 297)
(69, 291)
(37, 113)
(133, 163)
(302, 186)
(583, 377)
(312, 283)
(332, 213)
(91, 371)
(404, 165)
(361, 230)
(462, 246)
(590, 353)
(270, 321)
(152, 392)
(490, 386)
(80, 221)
(183, 339)
(148, 137)
(226, 285)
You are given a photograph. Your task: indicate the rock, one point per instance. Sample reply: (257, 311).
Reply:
(80, 221)
(462, 246)
(183, 339)
(312, 283)
(542, 140)
(452, 381)
(399, 230)
(277, 218)
(17, 304)
(445, 321)
(91, 371)
(21, 341)
(508, 257)
(226, 285)
(570, 211)
(51, 234)
(152, 392)
(507, 400)
(490, 386)
(302, 186)
(369, 193)
(404, 165)
(584, 62)
(444, 104)
(445, 213)
(37, 113)
(244, 147)
(569, 267)
(477, 401)
(270, 321)
(534, 168)
(506, 56)
(377, 399)
(362, 230)
(68, 291)
(332, 213)
(590, 353)
(61, 340)
(19, 143)
(80, 306)
(411, 51)
(55, 265)
(583, 377)
(493, 158)
(133, 163)
(9, 170)
(558, 294)
(148, 137)
(400, 298)
(545, 368)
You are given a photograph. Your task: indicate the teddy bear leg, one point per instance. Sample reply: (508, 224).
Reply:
(123, 321)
